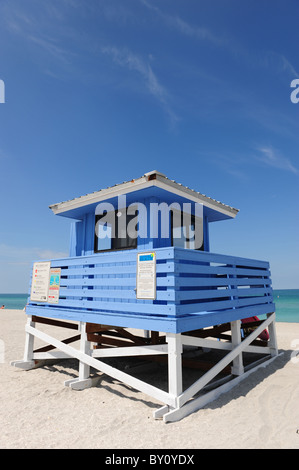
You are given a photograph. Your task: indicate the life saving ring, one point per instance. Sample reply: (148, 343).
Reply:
(264, 334)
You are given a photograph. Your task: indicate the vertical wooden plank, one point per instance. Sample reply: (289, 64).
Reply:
(83, 234)
(206, 235)
(29, 342)
(142, 225)
(175, 349)
(152, 224)
(76, 248)
(85, 348)
(232, 285)
(237, 368)
(89, 233)
(73, 240)
(272, 334)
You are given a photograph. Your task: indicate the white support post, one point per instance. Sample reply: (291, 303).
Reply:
(83, 381)
(186, 406)
(237, 368)
(175, 378)
(177, 403)
(175, 373)
(29, 341)
(70, 351)
(84, 369)
(27, 363)
(272, 334)
(208, 376)
(201, 401)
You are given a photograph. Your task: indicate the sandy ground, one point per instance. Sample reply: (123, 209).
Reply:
(38, 411)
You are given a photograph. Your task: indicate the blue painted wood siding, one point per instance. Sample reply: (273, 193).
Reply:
(82, 232)
(194, 289)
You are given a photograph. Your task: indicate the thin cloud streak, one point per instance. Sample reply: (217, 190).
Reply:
(49, 46)
(272, 158)
(32, 27)
(183, 27)
(278, 62)
(126, 58)
(265, 59)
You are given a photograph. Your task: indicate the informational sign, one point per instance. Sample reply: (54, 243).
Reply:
(40, 281)
(146, 276)
(54, 285)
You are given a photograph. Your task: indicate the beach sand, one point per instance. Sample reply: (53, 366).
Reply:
(38, 411)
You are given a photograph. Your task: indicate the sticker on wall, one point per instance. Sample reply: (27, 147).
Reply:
(146, 276)
(40, 281)
(54, 285)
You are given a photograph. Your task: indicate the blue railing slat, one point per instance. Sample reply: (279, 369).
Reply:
(208, 257)
(193, 289)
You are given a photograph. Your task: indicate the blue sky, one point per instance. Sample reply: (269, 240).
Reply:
(101, 91)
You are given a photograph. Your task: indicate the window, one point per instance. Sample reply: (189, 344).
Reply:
(113, 231)
(186, 231)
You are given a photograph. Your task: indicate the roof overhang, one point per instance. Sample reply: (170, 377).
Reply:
(151, 179)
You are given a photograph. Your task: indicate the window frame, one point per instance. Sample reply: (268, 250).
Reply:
(186, 240)
(129, 217)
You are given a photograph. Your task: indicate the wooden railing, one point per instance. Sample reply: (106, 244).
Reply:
(194, 289)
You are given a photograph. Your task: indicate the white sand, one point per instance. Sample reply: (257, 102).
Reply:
(38, 411)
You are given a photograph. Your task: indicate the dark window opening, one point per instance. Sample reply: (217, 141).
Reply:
(184, 233)
(113, 231)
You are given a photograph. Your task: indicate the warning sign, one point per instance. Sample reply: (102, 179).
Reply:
(54, 285)
(40, 281)
(146, 276)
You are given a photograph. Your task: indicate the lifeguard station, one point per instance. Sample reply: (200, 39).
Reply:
(140, 260)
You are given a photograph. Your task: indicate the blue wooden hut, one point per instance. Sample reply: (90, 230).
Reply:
(140, 259)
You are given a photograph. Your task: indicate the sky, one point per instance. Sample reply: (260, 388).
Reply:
(98, 92)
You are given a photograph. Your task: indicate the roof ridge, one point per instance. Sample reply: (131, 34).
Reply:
(149, 176)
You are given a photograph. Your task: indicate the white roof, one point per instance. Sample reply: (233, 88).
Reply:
(152, 178)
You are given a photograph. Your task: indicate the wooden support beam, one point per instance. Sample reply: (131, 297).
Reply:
(97, 328)
(132, 351)
(213, 332)
(50, 347)
(121, 343)
(175, 378)
(51, 321)
(29, 341)
(107, 341)
(138, 340)
(154, 337)
(199, 384)
(273, 337)
(172, 415)
(237, 368)
(150, 390)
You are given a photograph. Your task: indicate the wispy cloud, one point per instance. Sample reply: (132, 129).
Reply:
(36, 25)
(127, 59)
(264, 59)
(232, 163)
(278, 62)
(287, 66)
(50, 46)
(273, 158)
(185, 28)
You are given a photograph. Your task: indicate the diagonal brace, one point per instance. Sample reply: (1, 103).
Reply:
(199, 384)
